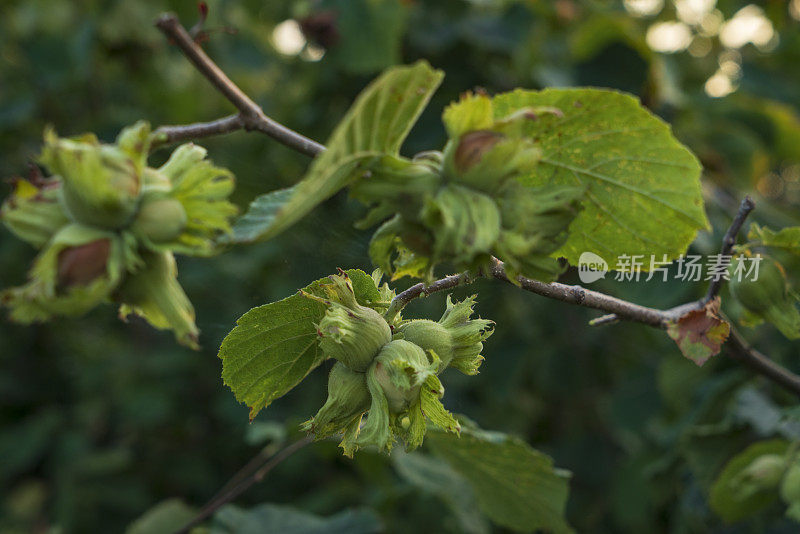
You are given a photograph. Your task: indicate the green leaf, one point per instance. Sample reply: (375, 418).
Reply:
(376, 124)
(787, 239)
(603, 29)
(732, 502)
(164, 518)
(364, 287)
(783, 136)
(643, 189)
(515, 486)
(754, 407)
(272, 349)
(263, 432)
(274, 346)
(274, 518)
(436, 477)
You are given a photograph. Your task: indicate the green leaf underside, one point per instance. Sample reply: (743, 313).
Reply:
(274, 346)
(726, 501)
(260, 215)
(435, 476)
(376, 124)
(643, 192)
(515, 485)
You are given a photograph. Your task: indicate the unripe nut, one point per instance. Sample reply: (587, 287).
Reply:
(399, 397)
(81, 264)
(348, 397)
(353, 336)
(160, 219)
(429, 335)
(472, 146)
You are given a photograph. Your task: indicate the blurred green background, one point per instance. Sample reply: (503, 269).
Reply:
(100, 420)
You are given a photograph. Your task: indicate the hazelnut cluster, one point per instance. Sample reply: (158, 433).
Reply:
(469, 202)
(390, 373)
(107, 226)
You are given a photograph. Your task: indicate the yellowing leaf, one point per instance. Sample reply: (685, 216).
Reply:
(700, 333)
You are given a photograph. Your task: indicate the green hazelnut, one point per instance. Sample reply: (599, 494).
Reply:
(348, 398)
(160, 218)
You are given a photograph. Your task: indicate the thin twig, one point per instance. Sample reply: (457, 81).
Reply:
(250, 113)
(247, 470)
(423, 290)
(728, 241)
(226, 497)
(603, 320)
(739, 349)
(167, 135)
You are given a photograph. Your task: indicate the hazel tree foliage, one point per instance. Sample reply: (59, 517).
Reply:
(526, 182)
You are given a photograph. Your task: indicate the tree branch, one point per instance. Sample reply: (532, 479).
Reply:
(729, 239)
(251, 115)
(554, 290)
(587, 298)
(736, 346)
